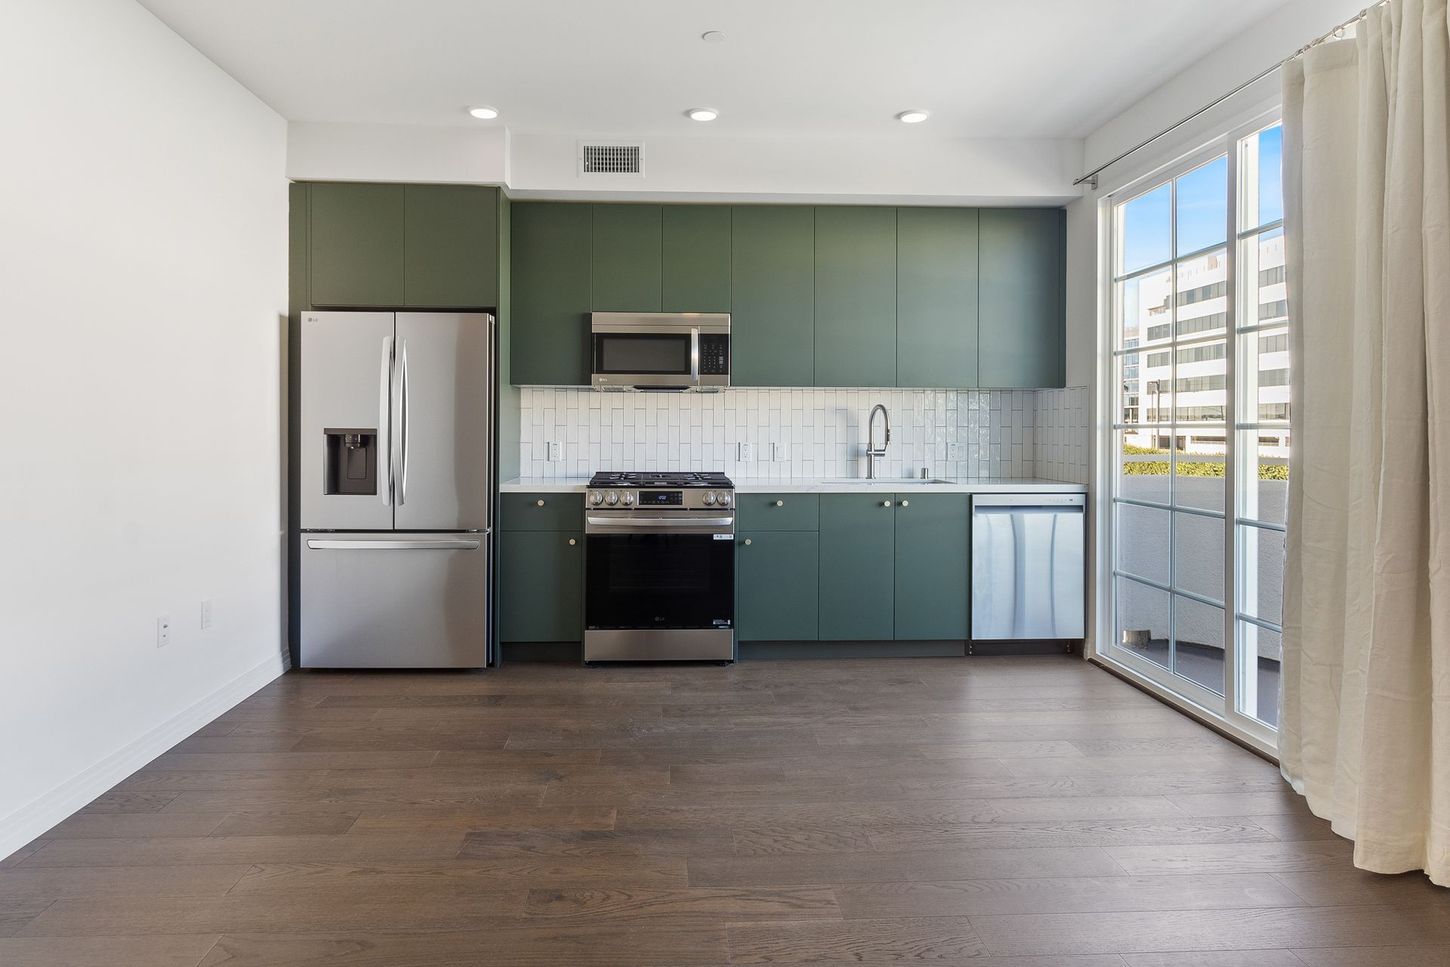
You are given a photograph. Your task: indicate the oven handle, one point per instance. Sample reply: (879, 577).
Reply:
(699, 526)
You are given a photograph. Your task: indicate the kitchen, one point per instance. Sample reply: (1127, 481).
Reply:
(664, 483)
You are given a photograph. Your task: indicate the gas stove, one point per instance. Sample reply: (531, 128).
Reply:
(662, 490)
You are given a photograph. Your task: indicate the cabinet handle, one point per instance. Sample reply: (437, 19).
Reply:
(885, 503)
(747, 542)
(780, 503)
(906, 503)
(541, 502)
(572, 542)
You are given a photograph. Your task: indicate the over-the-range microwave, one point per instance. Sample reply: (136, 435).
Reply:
(660, 350)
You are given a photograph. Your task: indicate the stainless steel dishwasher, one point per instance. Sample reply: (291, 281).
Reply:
(1028, 566)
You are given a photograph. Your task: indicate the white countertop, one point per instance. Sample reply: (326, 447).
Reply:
(806, 485)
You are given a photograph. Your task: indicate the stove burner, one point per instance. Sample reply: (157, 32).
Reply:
(660, 478)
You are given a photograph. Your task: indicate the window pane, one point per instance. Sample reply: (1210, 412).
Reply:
(1198, 555)
(1142, 542)
(1142, 620)
(1263, 461)
(1261, 573)
(1202, 294)
(1203, 206)
(1261, 652)
(1202, 383)
(1261, 171)
(1147, 230)
(1262, 268)
(1199, 468)
(1143, 464)
(1143, 309)
(1198, 643)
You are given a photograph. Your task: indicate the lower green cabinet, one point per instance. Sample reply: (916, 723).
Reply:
(777, 585)
(933, 566)
(858, 539)
(541, 586)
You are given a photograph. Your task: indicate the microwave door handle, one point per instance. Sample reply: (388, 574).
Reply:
(695, 356)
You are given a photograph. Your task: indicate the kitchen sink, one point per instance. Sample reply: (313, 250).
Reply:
(901, 483)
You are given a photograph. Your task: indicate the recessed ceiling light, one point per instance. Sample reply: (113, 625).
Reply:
(713, 36)
(702, 114)
(484, 113)
(912, 117)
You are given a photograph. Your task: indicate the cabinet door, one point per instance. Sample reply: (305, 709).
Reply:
(936, 297)
(772, 322)
(696, 258)
(855, 297)
(541, 586)
(777, 587)
(451, 254)
(550, 293)
(627, 258)
(933, 564)
(858, 535)
(357, 245)
(1022, 305)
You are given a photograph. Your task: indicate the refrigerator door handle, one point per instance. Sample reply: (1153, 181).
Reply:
(400, 544)
(405, 422)
(384, 395)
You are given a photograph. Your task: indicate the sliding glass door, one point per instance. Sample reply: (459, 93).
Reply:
(1200, 438)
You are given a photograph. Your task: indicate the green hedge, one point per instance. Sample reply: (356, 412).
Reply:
(1188, 468)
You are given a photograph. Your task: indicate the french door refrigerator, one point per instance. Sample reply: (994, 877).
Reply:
(397, 483)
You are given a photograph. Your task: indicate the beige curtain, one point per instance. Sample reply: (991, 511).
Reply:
(1365, 725)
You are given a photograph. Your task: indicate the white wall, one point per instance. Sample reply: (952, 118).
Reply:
(320, 151)
(143, 294)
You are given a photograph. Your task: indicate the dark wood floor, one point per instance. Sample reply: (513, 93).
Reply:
(987, 812)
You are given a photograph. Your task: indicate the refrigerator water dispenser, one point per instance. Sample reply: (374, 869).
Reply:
(352, 462)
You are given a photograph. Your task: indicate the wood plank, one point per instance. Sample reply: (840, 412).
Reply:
(18, 912)
(227, 850)
(465, 875)
(1081, 832)
(172, 950)
(824, 869)
(903, 940)
(116, 881)
(697, 905)
(1227, 858)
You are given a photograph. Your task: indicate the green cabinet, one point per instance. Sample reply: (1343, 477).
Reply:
(772, 324)
(626, 263)
(855, 284)
(541, 512)
(450, 247)
(696, 258)
(550, 288)
(932, 566)
(936, 297)
(1022, 304)
(776, 593)
(356, 245)
(778, 512)
(541, 586)
(857, 542)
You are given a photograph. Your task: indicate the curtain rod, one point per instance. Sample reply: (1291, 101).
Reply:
(1092, 176)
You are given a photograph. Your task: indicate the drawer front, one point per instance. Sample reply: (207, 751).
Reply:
(542, 512)
(777, 512)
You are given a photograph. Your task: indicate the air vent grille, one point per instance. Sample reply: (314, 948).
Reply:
(611, 159)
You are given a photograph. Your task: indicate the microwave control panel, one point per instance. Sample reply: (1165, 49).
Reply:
(714, 354)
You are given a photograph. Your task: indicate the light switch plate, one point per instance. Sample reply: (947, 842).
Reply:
(163, 631)
(556, 450)
(747, 452)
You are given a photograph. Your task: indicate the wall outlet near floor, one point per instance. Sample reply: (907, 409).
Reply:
(747, 452)
(206, 614)
(163, 631)
(556, 450)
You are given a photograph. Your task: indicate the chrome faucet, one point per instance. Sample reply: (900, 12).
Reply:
(872, 452)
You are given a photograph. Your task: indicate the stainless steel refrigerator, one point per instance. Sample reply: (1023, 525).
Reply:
(397, 489)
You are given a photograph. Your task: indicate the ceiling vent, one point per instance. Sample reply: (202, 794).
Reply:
(618, 158)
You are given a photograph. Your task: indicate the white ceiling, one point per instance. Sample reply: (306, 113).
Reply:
(843, 68)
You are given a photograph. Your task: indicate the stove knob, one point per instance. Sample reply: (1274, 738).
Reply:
(628, 498)
(596, 498)
(710, 499)
(613, 498)
(725, 500)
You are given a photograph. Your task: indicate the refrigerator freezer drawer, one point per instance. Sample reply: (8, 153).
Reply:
(394, 600)
(1028, 567)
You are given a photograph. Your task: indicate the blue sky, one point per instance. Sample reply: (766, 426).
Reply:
(1202, 207)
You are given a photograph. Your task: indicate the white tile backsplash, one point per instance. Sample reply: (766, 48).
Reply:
(801, 433)
(1061, 434)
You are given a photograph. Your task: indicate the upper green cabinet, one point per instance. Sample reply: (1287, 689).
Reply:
(419, 246)
(855, 333)
(933, 566)
(1022, 339)
(696, 258)
(450, 252)
(356, 244)
(936, 297)
(772, 322)
(626, 263)
(551, 293)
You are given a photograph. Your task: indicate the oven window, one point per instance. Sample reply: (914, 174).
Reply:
(659, 581)
(642, 353)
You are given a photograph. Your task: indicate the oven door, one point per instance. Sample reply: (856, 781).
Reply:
(645, 360)
(657, 572)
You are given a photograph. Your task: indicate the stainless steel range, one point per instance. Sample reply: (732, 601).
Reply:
(659, 567)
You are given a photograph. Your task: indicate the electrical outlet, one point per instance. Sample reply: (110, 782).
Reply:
(163, 631)
(206, 614)
(747, 452)
(954, 451)
(556, 450)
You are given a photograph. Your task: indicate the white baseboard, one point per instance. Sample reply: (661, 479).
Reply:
(28, 822)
